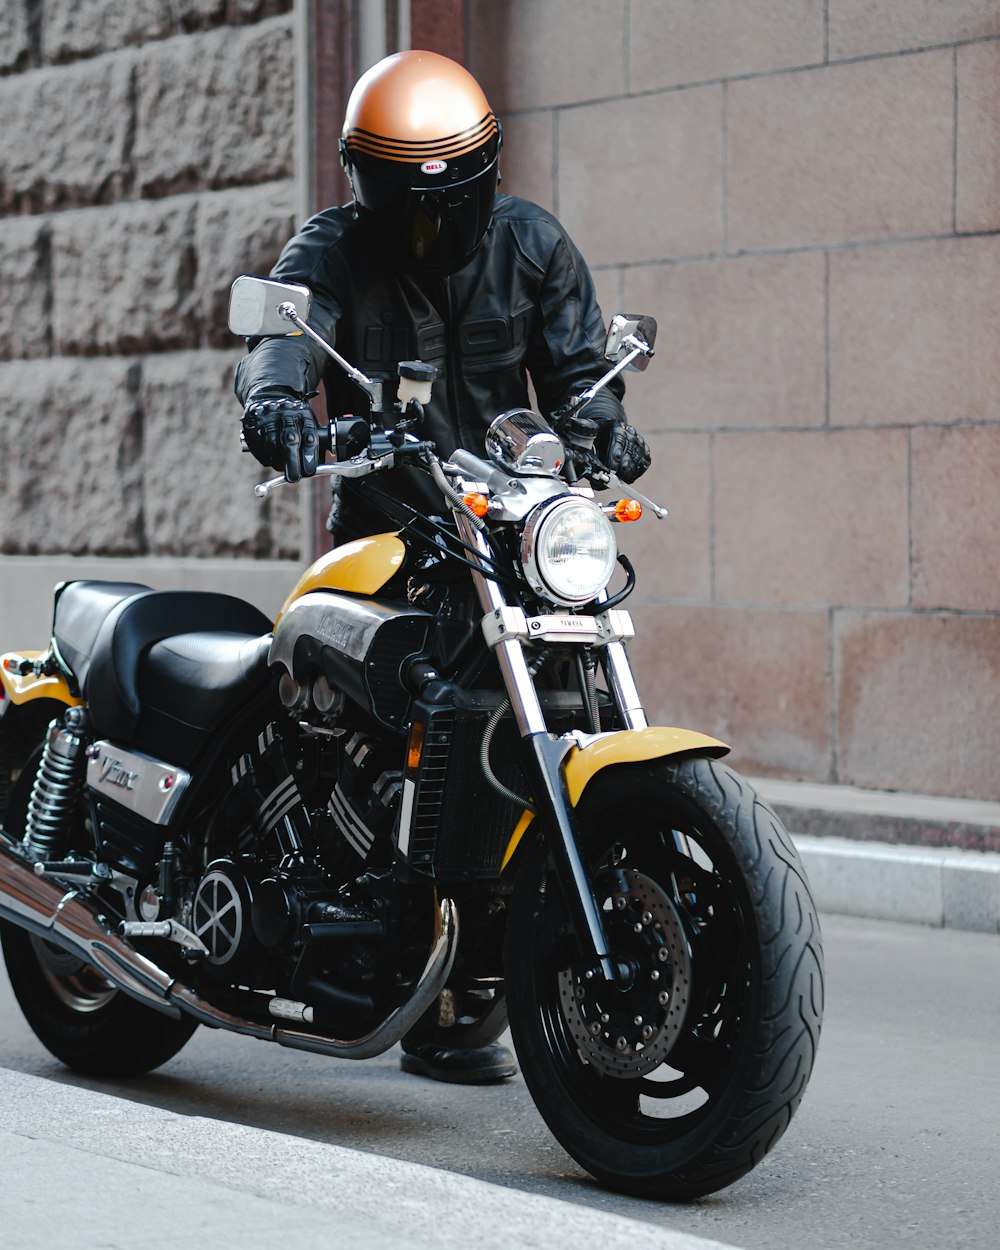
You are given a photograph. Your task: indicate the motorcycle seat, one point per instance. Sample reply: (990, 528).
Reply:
(167, 722)
(81, 608)
(199, 678)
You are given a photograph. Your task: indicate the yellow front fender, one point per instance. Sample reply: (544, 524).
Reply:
(627, 746)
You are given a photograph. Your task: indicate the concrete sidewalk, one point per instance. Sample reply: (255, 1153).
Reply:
(908, 857)
(83, 1170)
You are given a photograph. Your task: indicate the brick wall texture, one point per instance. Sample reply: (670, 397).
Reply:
(146, 161)
(806, 194)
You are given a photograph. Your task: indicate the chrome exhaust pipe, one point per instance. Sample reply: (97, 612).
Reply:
(70, 919)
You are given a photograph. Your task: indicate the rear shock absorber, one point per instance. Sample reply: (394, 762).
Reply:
(56, 787)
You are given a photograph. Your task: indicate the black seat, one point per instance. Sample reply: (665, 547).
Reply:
(167, 704)
(199, 678)
(81, 609)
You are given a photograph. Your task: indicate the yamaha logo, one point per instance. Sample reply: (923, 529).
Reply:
(433, 167)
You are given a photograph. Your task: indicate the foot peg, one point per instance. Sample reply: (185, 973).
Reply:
(193, 949)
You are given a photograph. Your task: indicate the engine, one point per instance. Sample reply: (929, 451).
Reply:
(295, 895)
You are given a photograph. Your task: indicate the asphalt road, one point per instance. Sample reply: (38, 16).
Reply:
(895, 1145)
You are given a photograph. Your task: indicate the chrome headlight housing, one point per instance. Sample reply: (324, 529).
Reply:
(568, 550)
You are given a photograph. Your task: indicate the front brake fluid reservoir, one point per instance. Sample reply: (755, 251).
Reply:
(415, 380)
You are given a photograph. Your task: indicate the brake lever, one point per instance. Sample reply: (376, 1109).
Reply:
(630, 491)
(603, 479)
(360, 466)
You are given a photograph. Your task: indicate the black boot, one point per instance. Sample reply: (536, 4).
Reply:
(483, 1066)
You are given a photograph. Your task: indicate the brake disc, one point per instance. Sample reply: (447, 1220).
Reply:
(629, 1028)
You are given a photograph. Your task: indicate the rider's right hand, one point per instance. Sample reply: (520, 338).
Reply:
(281, 431)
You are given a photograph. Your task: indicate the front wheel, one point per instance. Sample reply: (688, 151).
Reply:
(679, 1078)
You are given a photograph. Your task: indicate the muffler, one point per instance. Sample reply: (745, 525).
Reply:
(72, 920)
(69, 919)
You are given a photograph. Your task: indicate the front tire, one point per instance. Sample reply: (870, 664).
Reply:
(678, 1080)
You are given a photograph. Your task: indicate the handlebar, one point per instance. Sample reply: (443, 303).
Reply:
(462, 463)
(360, 466)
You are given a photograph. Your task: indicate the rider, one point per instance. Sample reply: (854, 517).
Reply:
(429, 262)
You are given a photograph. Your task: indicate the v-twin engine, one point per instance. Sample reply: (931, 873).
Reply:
(71, 918)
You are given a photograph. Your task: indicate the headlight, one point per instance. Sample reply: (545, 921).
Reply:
(568, 550)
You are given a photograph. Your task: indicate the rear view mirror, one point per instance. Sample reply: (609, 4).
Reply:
(254, 305)
(627, 332)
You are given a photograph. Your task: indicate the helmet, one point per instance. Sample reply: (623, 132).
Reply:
(421, 147)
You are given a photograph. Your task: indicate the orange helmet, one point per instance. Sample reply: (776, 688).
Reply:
(421, 147)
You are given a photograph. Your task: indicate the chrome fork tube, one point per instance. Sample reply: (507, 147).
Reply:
(543, 757)
(618, 671)
(510, 655)
(621, 682)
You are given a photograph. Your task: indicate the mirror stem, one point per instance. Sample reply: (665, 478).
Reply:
(372, 389)
(608, 377)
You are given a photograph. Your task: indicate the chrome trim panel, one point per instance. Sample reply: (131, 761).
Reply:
(147, 786)
(342, 622)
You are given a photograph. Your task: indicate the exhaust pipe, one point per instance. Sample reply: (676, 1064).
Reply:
(71, 919)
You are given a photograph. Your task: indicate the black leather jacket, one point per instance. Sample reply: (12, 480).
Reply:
(525, 305)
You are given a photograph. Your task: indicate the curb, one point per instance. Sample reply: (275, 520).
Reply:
(82, 1167)
(944, 888)
(884, 816)
(918, 859)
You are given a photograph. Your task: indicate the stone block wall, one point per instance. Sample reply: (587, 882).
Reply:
(806, 194)
(146, 161)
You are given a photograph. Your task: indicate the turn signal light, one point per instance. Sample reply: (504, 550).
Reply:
(476, 503)
(628, 510)
(416, 747)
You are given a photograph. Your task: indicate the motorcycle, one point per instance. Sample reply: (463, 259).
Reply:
(424, 802)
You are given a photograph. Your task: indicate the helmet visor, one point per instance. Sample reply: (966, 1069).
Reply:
(434, 216)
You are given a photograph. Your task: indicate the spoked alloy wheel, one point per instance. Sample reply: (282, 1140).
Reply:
(77, 985)
(677, 1079)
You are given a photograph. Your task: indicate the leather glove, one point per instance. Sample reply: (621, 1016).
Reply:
(622, 449)
(282, 433)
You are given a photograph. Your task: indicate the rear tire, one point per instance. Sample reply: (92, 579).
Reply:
(73, 1011)
(678, 1083)
(80, 1018)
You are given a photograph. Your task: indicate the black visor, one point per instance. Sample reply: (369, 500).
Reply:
(434, 216)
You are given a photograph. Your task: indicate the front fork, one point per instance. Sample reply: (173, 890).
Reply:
(543, 755)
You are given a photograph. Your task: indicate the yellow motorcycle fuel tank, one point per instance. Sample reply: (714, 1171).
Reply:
(361, 567)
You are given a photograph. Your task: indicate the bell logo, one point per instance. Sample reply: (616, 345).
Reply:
(433, 167)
